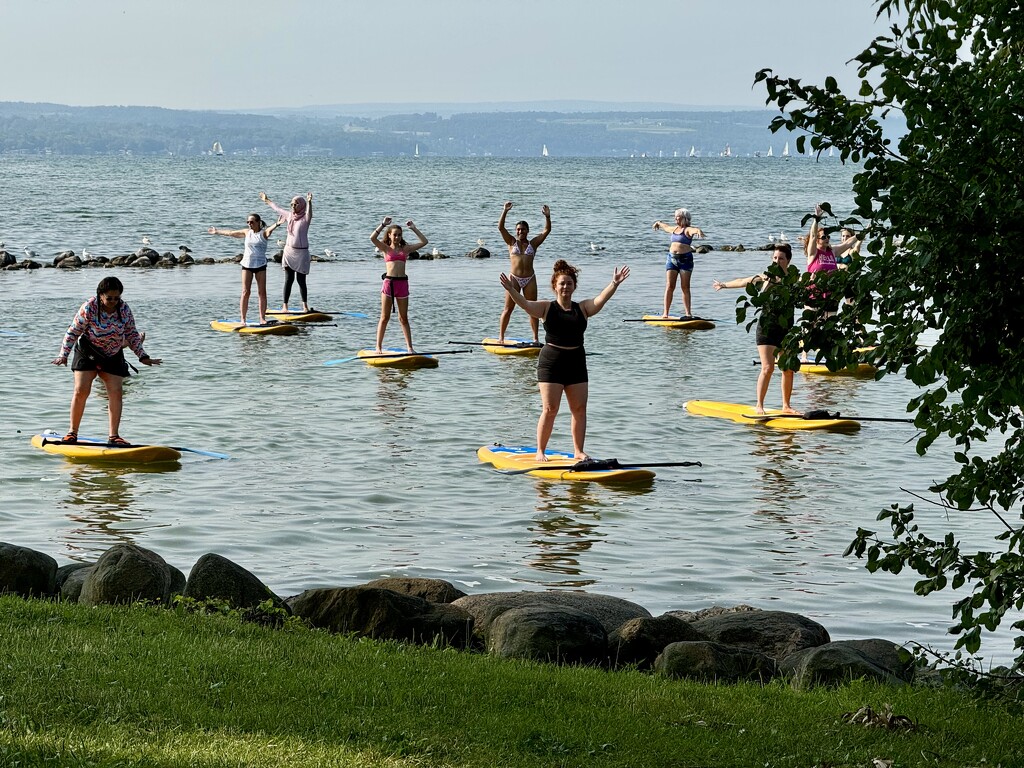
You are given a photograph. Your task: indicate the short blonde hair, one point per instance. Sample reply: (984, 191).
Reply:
(683, 214)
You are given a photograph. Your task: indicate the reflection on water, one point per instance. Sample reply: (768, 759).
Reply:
(776, 455)
(102, 500)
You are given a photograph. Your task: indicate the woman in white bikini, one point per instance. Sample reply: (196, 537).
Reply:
(521, 250)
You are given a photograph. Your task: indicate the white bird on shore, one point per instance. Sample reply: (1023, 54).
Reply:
(86, 254)
(146, 240)
(435, 252)
(31, 254)
(329, 253)
(479, 242)
(783, 238)
(595, 247)
(771, 239)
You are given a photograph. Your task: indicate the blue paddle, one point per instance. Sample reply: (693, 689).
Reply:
(397, 354)
(598, 465)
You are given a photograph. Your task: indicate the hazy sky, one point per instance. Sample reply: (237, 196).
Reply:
(238, 54)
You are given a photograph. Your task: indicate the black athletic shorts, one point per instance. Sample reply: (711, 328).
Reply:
(562, 366)
(85, 358)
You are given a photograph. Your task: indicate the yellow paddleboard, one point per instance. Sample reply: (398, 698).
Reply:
(864, 370)
(685, 323)
(272, 329)
(520, 347)
(745, 414)
(92, 449)
(390, 359)
(523, 458)
(301, 317)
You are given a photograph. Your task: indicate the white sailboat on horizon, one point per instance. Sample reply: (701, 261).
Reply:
(769, 154)
(727, 152)
(785, 150)
(417, 152)
(693, 151)
(217, 149)
(544, 150)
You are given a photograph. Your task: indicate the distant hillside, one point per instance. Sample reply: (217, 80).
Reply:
(59, 129)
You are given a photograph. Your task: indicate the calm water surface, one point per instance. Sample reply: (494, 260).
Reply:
(343, 474)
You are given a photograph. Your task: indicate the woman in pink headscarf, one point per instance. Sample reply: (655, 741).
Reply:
(296, 248)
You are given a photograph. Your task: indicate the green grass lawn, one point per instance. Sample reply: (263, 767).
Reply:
(140, 686)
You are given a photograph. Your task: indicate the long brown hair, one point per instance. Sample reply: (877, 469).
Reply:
(387, 236)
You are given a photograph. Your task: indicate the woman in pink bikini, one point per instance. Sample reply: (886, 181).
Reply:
(521, 250)
(395, 289)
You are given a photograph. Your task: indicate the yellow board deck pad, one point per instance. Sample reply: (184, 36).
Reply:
(270, 329)
(519, 347)
(684, 323)
(523, 457)
(388, 358)
(300, 317)
(745, 414)
(91, 449)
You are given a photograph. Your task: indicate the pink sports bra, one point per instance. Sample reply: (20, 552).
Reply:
(394, 256)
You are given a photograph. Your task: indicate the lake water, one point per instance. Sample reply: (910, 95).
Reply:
(343, 474)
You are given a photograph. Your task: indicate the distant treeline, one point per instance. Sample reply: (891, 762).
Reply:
(57, 129)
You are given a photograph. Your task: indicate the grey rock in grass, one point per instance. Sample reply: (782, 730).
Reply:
(557, 634)
(384, 615)
(845, 660)
(714, 662)
(70, 578)
(125, 573)
(178, 580)
(26, 572)
(639, 641)
(432, 590)
(214, 577)
(610, 611)
(774, 633)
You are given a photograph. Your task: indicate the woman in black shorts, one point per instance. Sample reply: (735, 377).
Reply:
(770, 332)
(562, 364)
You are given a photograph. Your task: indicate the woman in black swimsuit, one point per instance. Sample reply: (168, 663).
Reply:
(562, 364)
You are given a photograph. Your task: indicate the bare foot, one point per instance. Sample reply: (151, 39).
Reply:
(284, 307)
(541, 456)
(263, 321)
(379, 351)
(581, 456)
(501, 339)
(243, 323)
(759, 410)
(787, 409)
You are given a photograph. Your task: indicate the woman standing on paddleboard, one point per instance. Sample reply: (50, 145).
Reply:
(562, 363)
(770, 331)
(101, 330)
(254, 261)
(395, 289)
(296, 248)
(679, 263)
(521, 250)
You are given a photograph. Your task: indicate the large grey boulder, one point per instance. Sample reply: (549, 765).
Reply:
(384, 615)
(479, 253)
(69, 581)
(714, 662)
(774, 633)
(548, 633)
(126, 573)
(214, 577)
(844, 660)
(7, 259)
(26, 572)
(432, 590)
(611, 612)
(639, 641)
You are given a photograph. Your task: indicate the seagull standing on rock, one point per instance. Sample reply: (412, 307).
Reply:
(146, 240)
(329, 253)
(595, 247)
(31, 254)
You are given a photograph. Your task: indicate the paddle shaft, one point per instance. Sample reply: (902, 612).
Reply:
(137, 445)
(598, 465)
(812, 416)
(397, 354)
(516, 345)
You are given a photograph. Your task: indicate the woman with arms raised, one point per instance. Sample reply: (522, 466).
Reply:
(521, 250)
(296, 248)
(395, 289)
(562, 363)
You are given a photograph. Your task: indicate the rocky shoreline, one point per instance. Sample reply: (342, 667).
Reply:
(145, 258)
(731, 644)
